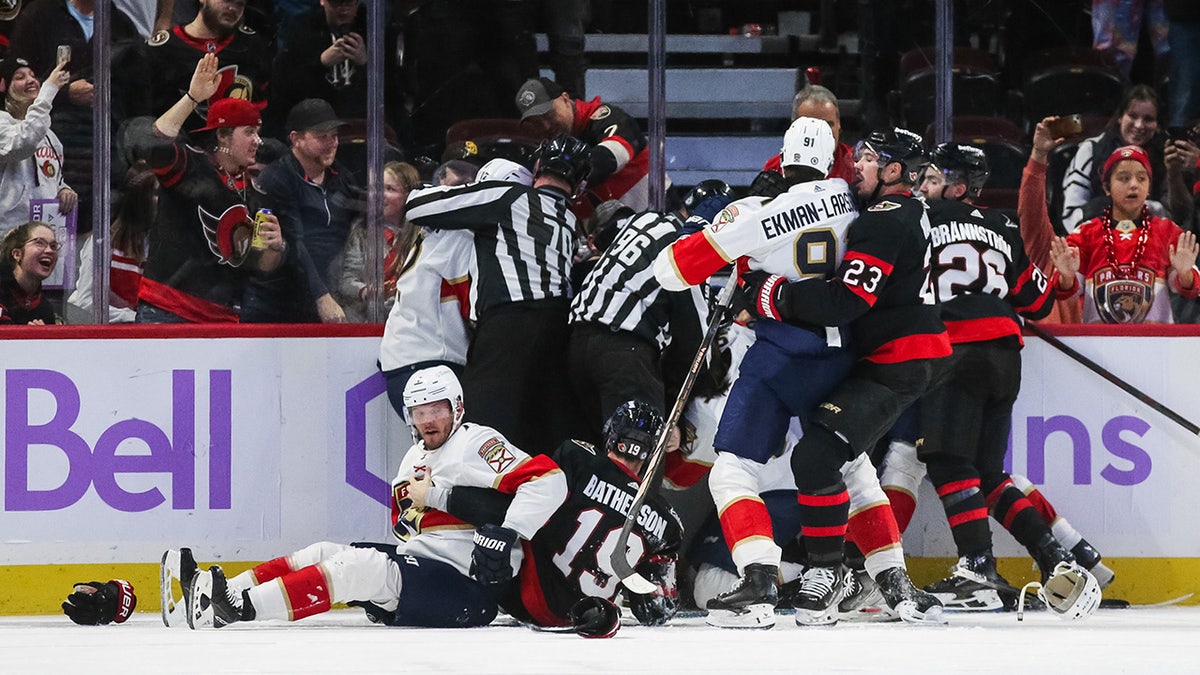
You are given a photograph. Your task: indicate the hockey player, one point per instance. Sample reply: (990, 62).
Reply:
(882, 289)
(568, 560)
(797, 235)
(619, 157)
(983, 278)
(427, 579)
(524, 239)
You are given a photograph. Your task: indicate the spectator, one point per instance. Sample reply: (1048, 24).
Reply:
(313, 197)
(31, 156)
(619, 158)
(148, 16)
(202, 246)
(1184, 39)
(30, 252)
(132, 220)
(326, 58)
(1134, 123)
(565, 23)
(399, 235)
(820, 103)
(1118, 26)
(40, 28)
(1123, 262)
(166, 67)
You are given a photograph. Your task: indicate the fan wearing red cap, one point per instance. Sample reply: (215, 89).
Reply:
(1123, 262)
(205, 244)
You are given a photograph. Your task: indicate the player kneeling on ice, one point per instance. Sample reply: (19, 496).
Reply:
(567, 578)
(445, 573)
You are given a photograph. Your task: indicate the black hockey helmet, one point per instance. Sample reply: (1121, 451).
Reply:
(631, 430)
(901, 146)
(564, 156)
(705, 189)
(964, 164)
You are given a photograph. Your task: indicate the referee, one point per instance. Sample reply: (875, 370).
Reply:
(524, 236)
(631, 340)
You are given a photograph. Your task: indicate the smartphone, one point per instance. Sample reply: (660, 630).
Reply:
(64, 54)
(1066, 126)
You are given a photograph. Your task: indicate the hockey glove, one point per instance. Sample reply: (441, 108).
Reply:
(710, 207)
(95, 603)
(491, 563)
(768, 184)
(595, 618)
(655, 609)
(762, 292)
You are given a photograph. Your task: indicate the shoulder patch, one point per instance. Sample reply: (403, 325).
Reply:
(723, 218)
(496, 454)
(601, 112)
(584, 445)
(159, 38)
(884, 206)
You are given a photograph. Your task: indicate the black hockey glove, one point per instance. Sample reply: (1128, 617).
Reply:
(768, 184)
(761, 292)
(491, 564)
(704, 213)
(95, 603)
(595, 618)
(655, 609)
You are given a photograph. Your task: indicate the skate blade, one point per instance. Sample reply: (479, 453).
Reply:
(753, 617)
(978, 601)
(869, 615)
(810, 617)
(934, 616)
(173, 610)
(200, 614)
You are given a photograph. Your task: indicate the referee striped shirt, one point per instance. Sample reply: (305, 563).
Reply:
(621, 292)
(524, 236)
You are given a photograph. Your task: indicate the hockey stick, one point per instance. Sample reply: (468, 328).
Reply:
(654, 468)
(1118, 382)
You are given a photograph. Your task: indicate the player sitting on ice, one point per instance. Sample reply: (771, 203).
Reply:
(444, 573)
(567, 564)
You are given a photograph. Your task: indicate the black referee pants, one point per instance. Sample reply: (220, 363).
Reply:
(609, 368)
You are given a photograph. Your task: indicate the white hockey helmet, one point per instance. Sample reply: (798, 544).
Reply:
(505, 170)
(438, 383)
(809, 142)
(1071, 592)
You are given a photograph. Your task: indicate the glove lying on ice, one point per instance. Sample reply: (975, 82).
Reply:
(94, 603)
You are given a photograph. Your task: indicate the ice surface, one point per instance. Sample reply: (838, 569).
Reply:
(1137, 640)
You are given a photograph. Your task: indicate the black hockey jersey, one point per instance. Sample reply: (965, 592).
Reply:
(981, 274)
(881, 287)
(568, 558)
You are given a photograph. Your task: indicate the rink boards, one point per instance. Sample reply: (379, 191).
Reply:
(120, 443)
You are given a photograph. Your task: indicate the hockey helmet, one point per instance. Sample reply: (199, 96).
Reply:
(438, 383)
(705, 189)
(964, 164)
(1071, 592)
(505, 170)
(809, 142)
(563, 156)
(632, 430)
(897, 145)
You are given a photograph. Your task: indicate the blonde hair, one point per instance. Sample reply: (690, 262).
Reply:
(406, 235)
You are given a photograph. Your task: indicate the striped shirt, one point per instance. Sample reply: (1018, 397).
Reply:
(621, 292)
(523, 236)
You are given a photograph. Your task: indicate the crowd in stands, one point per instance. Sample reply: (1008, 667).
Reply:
(302, 65)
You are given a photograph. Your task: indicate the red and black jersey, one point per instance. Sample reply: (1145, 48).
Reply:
(569, 556)
(18, 307)
(199, 255)
(244, 65)
(881, 288)
(981, 274)
(619, 156)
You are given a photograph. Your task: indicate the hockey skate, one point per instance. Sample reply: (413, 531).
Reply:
(213, 604)
(863, 601)
(816, 600)
(912, 604)
(1089, 558)
(974, 585)
(177, 565)
(1048, 553)
(750, 603)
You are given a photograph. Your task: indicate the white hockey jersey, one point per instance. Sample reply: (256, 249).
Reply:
(476, 456)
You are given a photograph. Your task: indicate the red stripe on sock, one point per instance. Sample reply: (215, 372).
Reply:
(835, 499)
(874, 529)
(833, 531)
(958, 486)
(307, 592)
(743, 519)
(1044, 508)
(994, 495)
(903, 507)
(966, 517)
(272, 569)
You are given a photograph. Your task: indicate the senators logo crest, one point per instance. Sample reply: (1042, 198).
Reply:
(228, 234)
